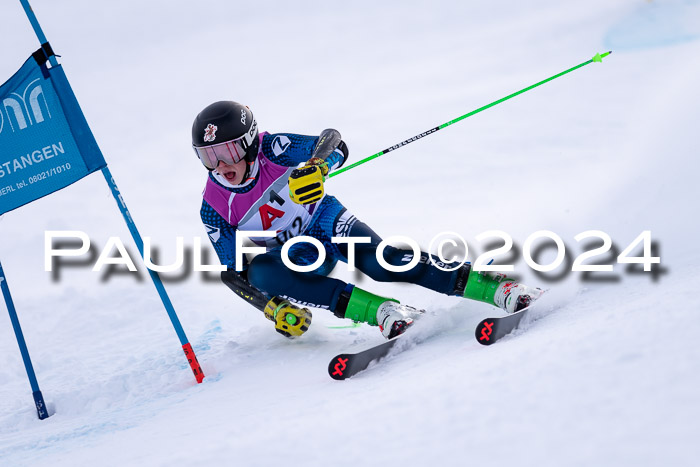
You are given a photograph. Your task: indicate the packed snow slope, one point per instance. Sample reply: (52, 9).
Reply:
(606, 373)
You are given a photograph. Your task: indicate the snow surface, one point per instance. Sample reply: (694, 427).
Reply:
(608, 377)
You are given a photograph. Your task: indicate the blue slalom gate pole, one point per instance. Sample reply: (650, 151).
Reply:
(38, 31)
(186, 346)
(36, 392)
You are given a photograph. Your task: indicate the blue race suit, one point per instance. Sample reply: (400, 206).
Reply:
(262, 203)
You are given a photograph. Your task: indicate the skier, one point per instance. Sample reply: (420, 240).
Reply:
(274, 182)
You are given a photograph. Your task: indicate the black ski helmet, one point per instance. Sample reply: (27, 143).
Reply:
(225, 131)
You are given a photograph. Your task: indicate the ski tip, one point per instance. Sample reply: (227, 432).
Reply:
(338, 367)
(484, 331)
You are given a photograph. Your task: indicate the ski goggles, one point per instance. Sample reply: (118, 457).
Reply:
(228, 152)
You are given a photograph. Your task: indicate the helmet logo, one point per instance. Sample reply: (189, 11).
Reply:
(210, 133)
(243, 116)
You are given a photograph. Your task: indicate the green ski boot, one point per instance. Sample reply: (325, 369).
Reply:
(498, 290)
(361, 306)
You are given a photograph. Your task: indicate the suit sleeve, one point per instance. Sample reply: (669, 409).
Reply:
(291, 150)
(288, 149)
(223, 237)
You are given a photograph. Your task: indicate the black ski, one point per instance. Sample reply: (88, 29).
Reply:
(490, 330)
(345, 365)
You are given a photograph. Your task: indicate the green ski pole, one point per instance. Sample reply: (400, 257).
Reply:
(596, 58)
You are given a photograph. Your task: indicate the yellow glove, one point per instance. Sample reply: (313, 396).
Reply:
(306, 183)
(290, 321)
